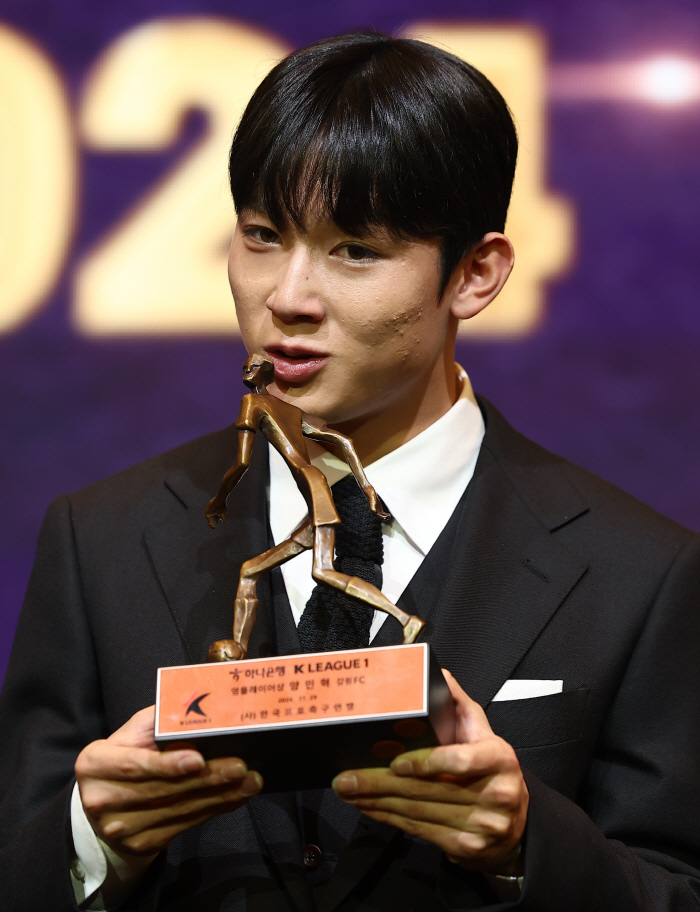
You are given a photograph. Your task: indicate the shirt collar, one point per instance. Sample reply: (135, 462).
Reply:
(420, 482)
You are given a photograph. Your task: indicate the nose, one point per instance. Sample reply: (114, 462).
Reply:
(295, 299)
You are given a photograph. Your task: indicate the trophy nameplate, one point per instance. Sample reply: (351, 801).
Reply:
(300, 720)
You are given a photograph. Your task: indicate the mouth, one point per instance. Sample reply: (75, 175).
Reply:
(295, 364)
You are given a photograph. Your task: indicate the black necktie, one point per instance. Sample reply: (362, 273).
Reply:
(332, 619)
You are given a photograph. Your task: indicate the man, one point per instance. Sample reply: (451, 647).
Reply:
(371, 177)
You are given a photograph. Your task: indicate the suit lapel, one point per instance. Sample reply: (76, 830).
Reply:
(509, 573)
(198, 567)
(496, 574)
(508, 578)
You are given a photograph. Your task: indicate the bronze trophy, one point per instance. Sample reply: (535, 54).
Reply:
(286, 426)
(333, 710)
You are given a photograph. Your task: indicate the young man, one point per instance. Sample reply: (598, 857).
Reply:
(371, 177)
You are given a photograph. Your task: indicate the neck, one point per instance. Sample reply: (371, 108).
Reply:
(376, 435)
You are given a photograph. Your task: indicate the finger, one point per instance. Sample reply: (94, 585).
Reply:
(121, 824)
(158, 836)
(473, 850)
(456, 816)
(451, 771)
(494, 825)
(357, 786)
(136, 771)
(139, 731)
(100, 796)
(489, 757)
(107, 760)
(497, 823)
(472, 724)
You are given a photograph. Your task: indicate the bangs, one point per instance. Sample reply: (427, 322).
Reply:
(322, 173)
(376, 132)
(345, 168)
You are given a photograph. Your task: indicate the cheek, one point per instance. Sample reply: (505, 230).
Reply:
(404, 306)
(393, 323)
(246, 281)
(249, 299)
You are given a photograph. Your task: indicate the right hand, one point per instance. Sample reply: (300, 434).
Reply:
(138, 799)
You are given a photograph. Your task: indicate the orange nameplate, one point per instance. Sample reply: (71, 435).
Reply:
(292, 690)
(321, 712)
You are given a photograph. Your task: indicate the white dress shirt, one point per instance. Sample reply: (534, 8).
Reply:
(421, 483)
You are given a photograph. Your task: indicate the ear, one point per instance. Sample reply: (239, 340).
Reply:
(480, 275)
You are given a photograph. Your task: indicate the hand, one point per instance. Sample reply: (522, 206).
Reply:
(215, 512)
(375, 504)
(138, 799)
(469, 798)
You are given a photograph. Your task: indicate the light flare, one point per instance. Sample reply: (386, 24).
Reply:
(670, 80)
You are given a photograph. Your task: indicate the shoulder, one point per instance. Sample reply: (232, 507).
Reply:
(560, 491)
(191, 472)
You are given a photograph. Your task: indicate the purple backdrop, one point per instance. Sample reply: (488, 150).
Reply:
(610, 380)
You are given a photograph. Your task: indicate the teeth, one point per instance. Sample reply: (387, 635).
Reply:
(295, 357)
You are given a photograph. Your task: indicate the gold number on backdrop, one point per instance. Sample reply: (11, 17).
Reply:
(163, 269)
(539, 224)
(37, 178)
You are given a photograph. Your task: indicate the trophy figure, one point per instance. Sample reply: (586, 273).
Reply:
(285, 426)
(337, 708)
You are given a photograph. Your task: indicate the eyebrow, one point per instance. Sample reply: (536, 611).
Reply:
(254, 207)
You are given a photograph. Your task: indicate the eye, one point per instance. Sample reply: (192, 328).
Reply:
(356, 252)
(261, 234)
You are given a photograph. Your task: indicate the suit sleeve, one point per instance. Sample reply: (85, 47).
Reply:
(634, 843)
(50, 708)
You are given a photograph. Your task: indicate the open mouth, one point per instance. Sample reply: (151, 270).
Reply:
(295, 365)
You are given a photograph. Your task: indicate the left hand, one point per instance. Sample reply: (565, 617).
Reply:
(469, 798)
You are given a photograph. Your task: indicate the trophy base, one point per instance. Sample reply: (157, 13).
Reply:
(301, 720)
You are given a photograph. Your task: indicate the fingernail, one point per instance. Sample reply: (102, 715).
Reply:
(114, 828)
(191, 763)
(252, 784)
(345, 783)
(402, 767)
(233, 771)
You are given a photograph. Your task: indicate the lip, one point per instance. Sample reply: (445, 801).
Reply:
(295, 364)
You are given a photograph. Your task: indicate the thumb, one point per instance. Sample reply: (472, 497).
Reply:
(472, 724)
(138, 731)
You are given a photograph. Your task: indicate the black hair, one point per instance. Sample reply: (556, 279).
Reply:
(375, 131)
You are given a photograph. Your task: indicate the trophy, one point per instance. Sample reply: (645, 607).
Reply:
(331, 711)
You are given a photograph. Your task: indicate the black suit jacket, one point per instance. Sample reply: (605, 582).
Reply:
(545, 571)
